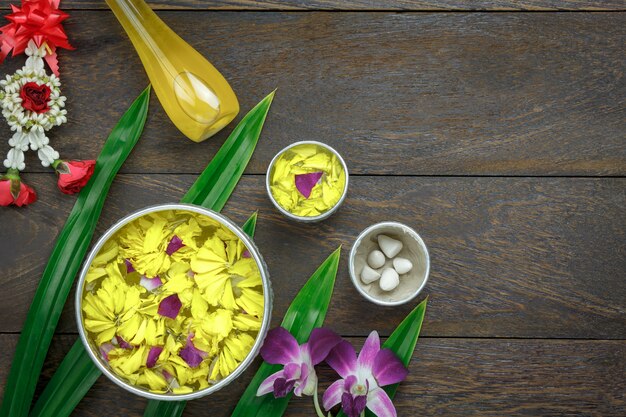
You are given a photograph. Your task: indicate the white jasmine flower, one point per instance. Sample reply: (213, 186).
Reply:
(47, 155)
(20, 141)
(15, 159)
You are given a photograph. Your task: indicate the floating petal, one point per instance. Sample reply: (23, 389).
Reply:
(129, 266)
(153, 355)
(175, 244)
(150, 284)
(191, 354)
(306, 182)
(105, 348)
(170, 306)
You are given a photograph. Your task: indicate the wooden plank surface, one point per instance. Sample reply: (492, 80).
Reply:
(443, 5)
(396, 94)
(459, 377)
(500, 137)
(511, 257)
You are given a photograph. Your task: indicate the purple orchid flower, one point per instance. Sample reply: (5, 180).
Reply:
(363, 377)
(281, 347)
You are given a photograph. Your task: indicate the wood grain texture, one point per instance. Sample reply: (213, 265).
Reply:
(396, 94)
(448, 377)
(406, 5)
(510, 257)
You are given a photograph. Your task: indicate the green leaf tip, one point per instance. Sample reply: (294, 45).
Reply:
(214, 186)
(250, 225)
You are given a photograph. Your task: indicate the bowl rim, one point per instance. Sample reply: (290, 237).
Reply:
(307, 219)
(267, 298)
(355, 279)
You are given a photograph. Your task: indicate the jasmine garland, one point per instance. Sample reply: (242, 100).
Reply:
(31, 100)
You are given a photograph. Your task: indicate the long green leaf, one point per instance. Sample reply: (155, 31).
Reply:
(306, 312)
(69, 384)
(403, 341)
(157, 408)
(65, 261)
(165, 408)
(235, 152)
(219, 179)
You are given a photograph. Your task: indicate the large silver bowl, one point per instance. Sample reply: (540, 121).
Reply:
(267, 293)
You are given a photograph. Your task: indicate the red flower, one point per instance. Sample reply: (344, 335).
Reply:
(74, 175)
(25, 196)
(35, 97)
(39, 20)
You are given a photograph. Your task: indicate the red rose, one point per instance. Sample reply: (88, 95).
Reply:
(25, 197)
(73, 175)
(35, 97)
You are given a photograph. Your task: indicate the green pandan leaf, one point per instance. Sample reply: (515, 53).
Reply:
(403, 341)
(164, 408)
(69, 384)
(219, 179)
(65, 261)
(306, 312)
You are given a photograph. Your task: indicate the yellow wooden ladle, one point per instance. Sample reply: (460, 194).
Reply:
(195, 96)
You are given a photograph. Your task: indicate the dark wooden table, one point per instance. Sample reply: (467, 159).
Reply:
(497, 129)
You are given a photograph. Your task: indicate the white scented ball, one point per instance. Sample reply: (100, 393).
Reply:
(389, 279)
(376, 259)
(368, 275)
(390, 247)
(402, 265)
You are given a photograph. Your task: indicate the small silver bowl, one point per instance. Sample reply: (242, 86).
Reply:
(307, 219)
(267, 296)
(413, 249)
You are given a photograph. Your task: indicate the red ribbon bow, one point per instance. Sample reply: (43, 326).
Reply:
(39, 20)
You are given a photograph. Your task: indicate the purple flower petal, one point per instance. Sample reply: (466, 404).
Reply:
(306, 182)
(379, 402)
(171, 380)
(292, 371)
(280, 347)
(105, 348)
(303, 380)
(353, 406)
(150, 284)
(388, 369)
(153, 355)
(168, 377)
(320, 343)
(349, 382)
(129, 267)
(370, 349)
(267, 385)
(175, 244)
(282, 387)
(122, 343)
(170, 306)
(332, 396)
(192, 355)
(343, 359)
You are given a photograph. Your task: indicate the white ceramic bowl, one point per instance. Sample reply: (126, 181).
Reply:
(267, 294)
(307, 219)
(413, 249)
